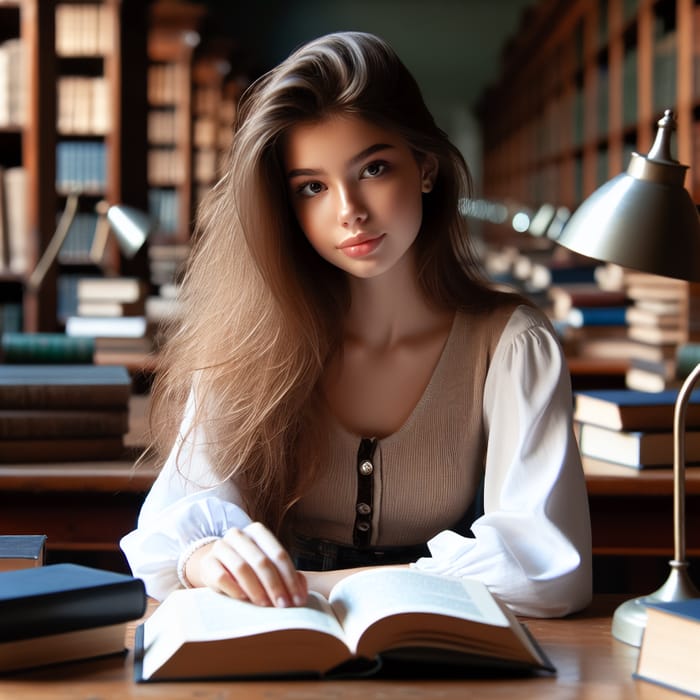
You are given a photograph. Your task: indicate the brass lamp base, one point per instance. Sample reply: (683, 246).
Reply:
(630, 618)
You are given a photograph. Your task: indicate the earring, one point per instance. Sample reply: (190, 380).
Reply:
(427, 185)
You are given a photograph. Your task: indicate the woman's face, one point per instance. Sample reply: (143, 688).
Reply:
(356, 189)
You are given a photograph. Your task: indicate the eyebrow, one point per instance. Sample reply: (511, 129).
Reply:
(306, 172)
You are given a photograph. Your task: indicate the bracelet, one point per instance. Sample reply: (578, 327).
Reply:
(187, 553)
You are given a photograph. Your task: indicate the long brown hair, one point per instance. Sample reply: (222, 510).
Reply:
(261, 311)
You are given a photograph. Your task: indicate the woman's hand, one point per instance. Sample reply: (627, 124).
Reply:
(248, 564)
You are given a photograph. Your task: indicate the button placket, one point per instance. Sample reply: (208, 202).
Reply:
(362, 531)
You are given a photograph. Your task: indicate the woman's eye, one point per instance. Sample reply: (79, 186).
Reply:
(309, 189)
(374, 169)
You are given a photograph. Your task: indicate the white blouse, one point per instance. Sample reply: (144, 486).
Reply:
(532, 546)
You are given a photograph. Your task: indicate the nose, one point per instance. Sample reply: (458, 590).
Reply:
(351, 208)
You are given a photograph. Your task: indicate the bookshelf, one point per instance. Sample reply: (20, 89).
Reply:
(100, 86)
(27, 133)
(208, 76)
(583, 84)
(172, 39)
(76, 134)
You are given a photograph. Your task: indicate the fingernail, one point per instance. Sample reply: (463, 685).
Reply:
(299, 600)
(282, 602)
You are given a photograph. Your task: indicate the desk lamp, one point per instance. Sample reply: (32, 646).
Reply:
(645, 219)
(130, 227)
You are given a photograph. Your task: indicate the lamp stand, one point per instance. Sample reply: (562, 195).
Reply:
(54, 246)
(630, 618)
(99, 241)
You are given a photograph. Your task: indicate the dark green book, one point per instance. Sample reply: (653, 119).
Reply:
(46, 348)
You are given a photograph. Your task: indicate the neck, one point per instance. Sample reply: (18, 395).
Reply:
(388, 309)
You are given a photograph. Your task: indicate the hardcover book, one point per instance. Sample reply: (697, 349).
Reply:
(67, 423)
(21, 551)
(371, 617)
(635, 448)
(64, 386)
(62, 612)
(628, 409)
(46, 348)
(75, 449)
(668, 653)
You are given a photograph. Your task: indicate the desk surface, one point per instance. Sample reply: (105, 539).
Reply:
(590, 665)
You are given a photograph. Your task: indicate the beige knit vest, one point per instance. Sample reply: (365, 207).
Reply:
(425, 475)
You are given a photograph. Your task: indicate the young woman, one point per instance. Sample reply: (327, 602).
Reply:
(348, 389)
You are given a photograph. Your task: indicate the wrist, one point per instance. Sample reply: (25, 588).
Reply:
(186, 556)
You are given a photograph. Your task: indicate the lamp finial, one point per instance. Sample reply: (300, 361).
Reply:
(661, 148)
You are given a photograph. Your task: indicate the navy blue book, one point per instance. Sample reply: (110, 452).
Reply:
(581, 316)
(62, 612)
(21, 551)
(629, 409)
(668, 655)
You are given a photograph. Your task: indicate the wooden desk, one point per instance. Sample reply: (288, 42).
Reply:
(591, 665)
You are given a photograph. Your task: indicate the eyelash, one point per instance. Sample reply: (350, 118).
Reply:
(383, 165)
(302, 190)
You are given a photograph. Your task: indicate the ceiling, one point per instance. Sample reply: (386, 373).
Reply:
(453, 47)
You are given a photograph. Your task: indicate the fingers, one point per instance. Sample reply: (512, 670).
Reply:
(293, 581)
(251, 564)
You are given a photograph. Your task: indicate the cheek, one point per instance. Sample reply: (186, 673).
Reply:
(406, 210)
(309, 220)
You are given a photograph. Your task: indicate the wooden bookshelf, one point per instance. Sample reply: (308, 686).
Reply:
(77, 134)
(172, 39)
(583, 84)
(213, 106)
(25, 139)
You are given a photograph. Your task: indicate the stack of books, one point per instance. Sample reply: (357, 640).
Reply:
(110, 297)
(628, 428)
(166, 264)
(590, 317)
(67, 412)
(664, 314)
(112, 310)
(64, 612)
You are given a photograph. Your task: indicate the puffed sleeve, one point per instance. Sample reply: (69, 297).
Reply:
(532, 546)
(186, 505)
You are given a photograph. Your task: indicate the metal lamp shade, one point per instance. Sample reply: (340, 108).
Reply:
(642, 219)
(130, 226)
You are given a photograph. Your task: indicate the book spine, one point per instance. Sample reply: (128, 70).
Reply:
(62, 423)
(28, 348)
(26, 396)
(72, 610)
(61, 450)
(597, 316)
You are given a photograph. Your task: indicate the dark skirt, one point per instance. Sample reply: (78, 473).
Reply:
(311, 554)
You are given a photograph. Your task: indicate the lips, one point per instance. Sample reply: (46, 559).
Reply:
(358, 239)
(361, 245)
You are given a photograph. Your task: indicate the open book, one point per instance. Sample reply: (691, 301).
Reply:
(393, 613)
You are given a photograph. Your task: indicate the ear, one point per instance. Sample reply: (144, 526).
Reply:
(429, 171)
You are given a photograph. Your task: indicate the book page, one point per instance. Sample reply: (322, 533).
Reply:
(366, 597)
(200, 614)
